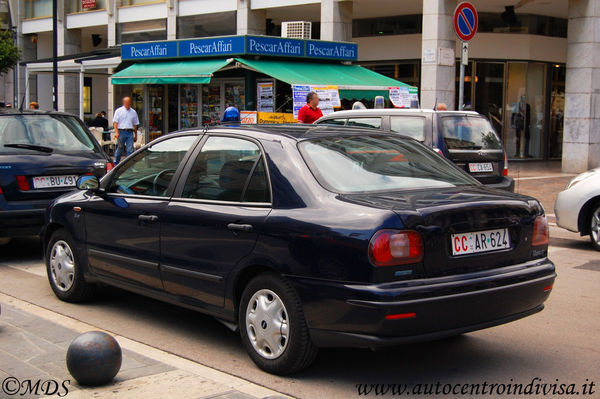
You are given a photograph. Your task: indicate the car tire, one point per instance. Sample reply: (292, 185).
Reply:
(273, 327)
(65, 273)
(595, 227)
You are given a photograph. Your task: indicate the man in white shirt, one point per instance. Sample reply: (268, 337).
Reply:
(125, 122)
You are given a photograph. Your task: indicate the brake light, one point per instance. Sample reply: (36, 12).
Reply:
(438, 151)
(23, 183)
(540, 231)
(400, 316)
(109, 166)
(505, 172)
(1, 190)
(393, 247)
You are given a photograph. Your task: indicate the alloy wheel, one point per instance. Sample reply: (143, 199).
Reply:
(595, 226)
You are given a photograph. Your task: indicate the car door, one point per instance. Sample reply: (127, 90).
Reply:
(214, 218)
(123, 223)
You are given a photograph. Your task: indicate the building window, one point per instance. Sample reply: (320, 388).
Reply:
(87, 95)
(407, 71)
(73, 6)
(204, 25)
(135, 2)
(396, 25)
(142, 31)
(531, 24)
(38, 8)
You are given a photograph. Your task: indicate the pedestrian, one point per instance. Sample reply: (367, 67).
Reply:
(125, 122)
(34, 105)
(310, 112)
(441, 107)
(101, 121)
(231, 114)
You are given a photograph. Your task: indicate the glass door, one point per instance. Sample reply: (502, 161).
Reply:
(489, 91)
(557, 111)
(515, 109)
(155, 111)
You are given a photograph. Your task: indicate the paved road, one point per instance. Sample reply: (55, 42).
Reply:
(562, 342)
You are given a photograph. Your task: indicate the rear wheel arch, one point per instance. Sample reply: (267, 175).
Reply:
(243, 278)
(583, 221)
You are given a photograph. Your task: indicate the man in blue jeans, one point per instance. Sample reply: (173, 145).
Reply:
(125, 122)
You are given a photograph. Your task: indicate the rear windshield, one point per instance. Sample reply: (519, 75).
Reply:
(358, 164)
(42, 133)
(469, 133)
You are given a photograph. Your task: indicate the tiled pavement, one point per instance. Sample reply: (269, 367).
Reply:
(34, 348)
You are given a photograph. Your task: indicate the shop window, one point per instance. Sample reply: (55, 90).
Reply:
(557, 110)
(87, 95)
(189, 106)
(396, 25)
(142, 31)
(205, 25)
(37, 8)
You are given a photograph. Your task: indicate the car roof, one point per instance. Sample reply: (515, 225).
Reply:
(391, 111)
(296, 132)
(16, 111)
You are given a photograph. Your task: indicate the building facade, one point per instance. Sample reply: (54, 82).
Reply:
(532, 65)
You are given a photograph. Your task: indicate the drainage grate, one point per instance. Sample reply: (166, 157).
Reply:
(591, 265)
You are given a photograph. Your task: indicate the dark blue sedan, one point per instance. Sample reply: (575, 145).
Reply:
(42, 154)
(304, 237)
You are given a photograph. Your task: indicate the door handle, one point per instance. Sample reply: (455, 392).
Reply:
(148, 218)
(240, 227)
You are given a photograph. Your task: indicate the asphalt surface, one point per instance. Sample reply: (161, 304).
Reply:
(559, 345)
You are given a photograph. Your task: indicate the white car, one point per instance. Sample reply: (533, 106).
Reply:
(577, 208)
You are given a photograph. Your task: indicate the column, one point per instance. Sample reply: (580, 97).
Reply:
(249, 21)
(111, 12)
(581, 138)
(172, 19)
(69, 42)
(336, 20)
(437, 81)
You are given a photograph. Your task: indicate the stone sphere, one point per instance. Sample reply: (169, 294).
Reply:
(94, 358)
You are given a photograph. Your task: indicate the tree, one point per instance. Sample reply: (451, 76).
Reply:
(9, 53)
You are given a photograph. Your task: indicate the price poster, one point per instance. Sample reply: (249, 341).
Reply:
(87, 4)
(265, 97)
(404, 97)
(329, 97)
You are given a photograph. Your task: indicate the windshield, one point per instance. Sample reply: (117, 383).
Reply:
(21, 134)
(358, 164)
(469, 133)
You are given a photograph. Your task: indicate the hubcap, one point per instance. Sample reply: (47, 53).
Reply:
(267, 324)
(62, 265)
(595, 227)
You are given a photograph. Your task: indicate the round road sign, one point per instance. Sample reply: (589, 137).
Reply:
(465, 21)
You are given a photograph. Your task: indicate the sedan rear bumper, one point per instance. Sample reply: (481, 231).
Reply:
(21, 222)
(507, 184)
(351, 315)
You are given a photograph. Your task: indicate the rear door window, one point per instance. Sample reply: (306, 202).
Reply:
(365, 122)
(337, 122)
(411, 126)
(462, 132)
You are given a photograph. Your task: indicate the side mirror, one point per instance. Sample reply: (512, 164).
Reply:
(88, 183)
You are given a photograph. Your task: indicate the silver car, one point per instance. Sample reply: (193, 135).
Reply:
(577, 208)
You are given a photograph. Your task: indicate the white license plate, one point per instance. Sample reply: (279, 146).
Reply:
(54, 181)
(480, 241)
(481, 167)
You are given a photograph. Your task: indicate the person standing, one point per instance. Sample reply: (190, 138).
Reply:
(125, 122)
(310, 112)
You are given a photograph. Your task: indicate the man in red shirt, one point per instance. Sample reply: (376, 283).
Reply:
(310, 112)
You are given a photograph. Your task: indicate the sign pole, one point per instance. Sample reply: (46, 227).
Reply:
(464, 61)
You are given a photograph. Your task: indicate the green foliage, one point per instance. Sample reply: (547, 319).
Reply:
(9, 53)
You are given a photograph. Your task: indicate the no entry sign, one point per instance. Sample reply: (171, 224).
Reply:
(465, 21)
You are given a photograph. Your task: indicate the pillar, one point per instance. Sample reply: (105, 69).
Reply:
(172, 19)
(249, 21)
(437, 81)
(336, 20)
(581, 136)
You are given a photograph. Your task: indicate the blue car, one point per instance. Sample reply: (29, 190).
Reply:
(304, 237)
(42, 154)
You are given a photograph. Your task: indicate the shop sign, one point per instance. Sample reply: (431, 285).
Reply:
(88, 4)
(212, 46)
(275, 117)
(262, 45)
(265, 91)
(248, 117)
(404, 97)
(331, 50)
(148, 50)
(329, 97)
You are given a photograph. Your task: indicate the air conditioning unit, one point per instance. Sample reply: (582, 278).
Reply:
(296, 29)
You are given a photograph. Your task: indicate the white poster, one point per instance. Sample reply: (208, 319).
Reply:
(329, 97)
(404, 97)
(265, 97)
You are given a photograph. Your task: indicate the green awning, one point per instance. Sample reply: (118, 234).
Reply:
(171, 72)
(353, 81)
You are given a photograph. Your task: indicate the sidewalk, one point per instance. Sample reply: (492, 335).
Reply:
(33, 346)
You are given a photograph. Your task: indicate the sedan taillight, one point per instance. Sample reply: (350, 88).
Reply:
(109, 166)
(505, 172)
(540, 231)
(23, 183)
(394, 247)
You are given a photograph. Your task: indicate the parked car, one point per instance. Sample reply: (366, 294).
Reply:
(304, 237)
(465, 137)
(577, 208)
(42, 154)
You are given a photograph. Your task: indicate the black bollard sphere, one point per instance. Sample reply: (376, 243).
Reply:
(94, 358)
